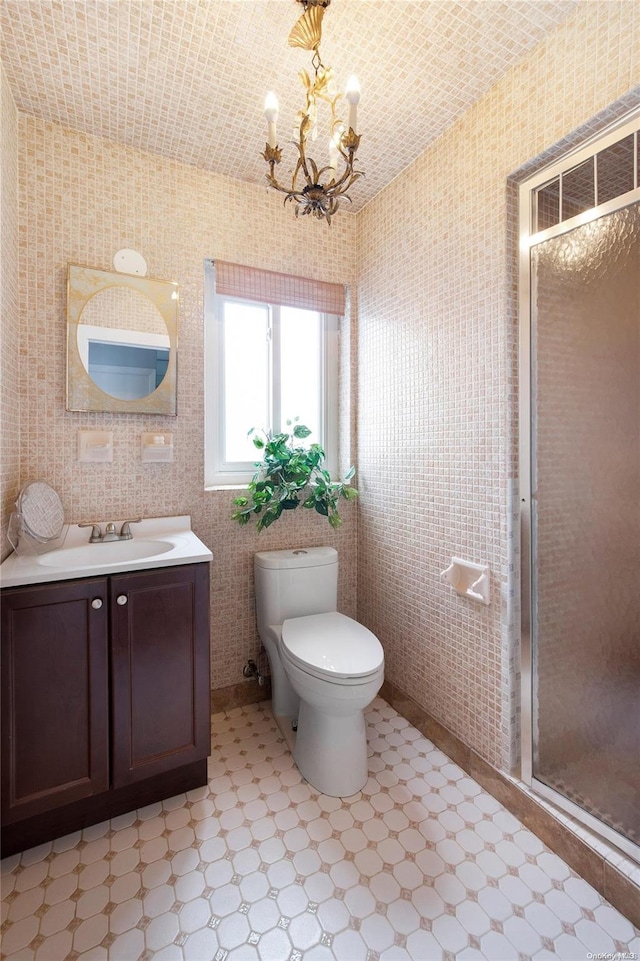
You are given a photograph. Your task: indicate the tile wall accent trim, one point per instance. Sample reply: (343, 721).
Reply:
(618, 889)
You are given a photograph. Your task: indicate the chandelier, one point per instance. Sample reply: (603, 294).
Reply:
(324, 186)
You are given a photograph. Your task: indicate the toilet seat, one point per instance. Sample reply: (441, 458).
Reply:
(333, 647)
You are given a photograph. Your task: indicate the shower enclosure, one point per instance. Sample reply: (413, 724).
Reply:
(580, 484)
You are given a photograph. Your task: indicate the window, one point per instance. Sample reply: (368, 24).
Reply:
(266, 363)
(604, 175)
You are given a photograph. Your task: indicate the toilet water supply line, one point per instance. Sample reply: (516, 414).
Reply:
(251, 670)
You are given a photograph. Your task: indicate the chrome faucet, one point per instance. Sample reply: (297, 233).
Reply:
(110, 532)
(125, 533)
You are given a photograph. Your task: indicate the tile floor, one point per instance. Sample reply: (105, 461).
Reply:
(422, 864)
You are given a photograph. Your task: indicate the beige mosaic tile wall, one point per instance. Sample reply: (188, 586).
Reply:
(436, 449)
(81, 200)
(9, 327)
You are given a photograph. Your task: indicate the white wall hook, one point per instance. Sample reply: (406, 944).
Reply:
(128, 261)
(468, 578)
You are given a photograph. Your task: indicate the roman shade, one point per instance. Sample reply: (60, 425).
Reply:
(267, 286)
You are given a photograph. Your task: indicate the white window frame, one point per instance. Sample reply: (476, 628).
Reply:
(220, 473)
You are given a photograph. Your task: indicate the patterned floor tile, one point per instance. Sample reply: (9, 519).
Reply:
(421, 865)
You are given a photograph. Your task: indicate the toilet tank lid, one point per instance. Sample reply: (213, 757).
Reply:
(332, 643)
(299, 557)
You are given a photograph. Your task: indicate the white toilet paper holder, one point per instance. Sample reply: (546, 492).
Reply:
(468, 578)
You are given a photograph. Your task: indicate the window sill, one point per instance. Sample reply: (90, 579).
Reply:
(227, 487)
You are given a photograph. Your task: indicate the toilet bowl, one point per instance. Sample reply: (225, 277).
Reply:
(326, 668)
(336, 667)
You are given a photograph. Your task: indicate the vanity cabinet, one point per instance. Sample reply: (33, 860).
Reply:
(105, 698)
(160, 671)
(55, 696)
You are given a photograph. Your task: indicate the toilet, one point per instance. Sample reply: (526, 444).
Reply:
(325, 667)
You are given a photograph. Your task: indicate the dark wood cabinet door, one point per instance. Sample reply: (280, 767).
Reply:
(55, 696)
(160, 671)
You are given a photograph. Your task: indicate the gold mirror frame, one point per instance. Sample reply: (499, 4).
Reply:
(83, 394)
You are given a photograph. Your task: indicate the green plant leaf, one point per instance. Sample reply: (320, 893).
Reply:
(350, 474)
(270, 515)
(290, 476)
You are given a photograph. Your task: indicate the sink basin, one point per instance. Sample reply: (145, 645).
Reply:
(157, 542)
(97, 555)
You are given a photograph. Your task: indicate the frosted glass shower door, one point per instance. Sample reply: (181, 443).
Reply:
(586, 518)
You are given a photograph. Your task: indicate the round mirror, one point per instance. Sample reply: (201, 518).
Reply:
(41, 511)
(123, 343)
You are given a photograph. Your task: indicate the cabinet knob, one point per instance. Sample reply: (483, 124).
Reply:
(121, 599)
(96, 603)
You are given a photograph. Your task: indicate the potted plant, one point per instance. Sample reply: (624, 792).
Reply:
(291, 476)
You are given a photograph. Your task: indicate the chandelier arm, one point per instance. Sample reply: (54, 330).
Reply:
(343, 191)
(348, 175)
(302, 158)
(277, 186)
(332, 189)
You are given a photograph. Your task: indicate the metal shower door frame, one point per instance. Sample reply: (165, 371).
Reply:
(529, 238)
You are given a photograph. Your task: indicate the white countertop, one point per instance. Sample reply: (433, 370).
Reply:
(162, 542)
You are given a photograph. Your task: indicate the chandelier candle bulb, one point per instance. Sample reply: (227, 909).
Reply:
(271, 116)
(352, 95)
(333, 155)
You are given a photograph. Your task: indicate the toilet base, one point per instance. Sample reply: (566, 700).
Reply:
(331, 752)
(284, 723)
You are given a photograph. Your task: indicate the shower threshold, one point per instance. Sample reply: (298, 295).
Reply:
(609, 843)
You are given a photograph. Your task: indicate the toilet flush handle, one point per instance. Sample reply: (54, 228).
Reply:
(300, 552)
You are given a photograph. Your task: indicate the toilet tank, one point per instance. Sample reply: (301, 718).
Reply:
(295, 583)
